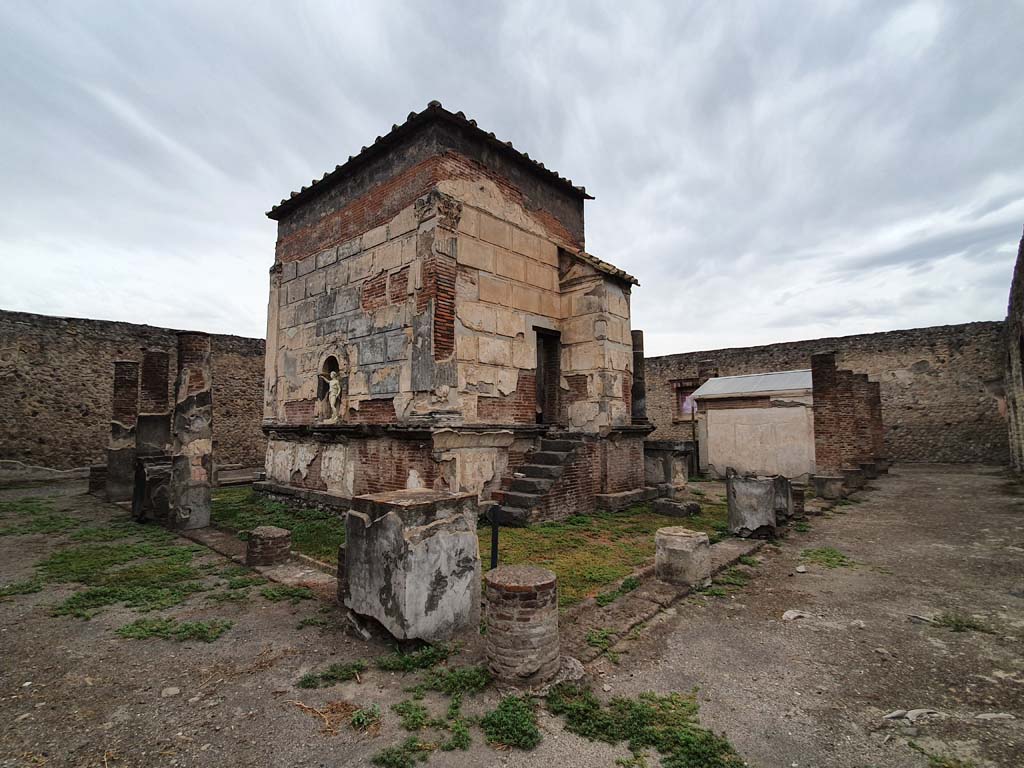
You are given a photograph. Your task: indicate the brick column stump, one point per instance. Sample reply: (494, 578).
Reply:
(522, 625)
(268, 545)
(682, 556)
(828, 487)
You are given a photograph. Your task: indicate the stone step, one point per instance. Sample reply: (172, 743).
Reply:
(531, 484)
(548, 457)
(517, 499)
(552, 471)
(561, 444)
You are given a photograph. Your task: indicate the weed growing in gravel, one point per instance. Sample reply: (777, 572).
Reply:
(749, 561)
(628, 585)
(170, 629)
(280, 592)
(232, 596)
(801, 526)
(341, 672)
(939, 761)
(405, 755)
(366, 718)
(667, 724)
(34, 515)
(424, 658)
(830, 557)
(412, 715)
(459, 739)
(26, 587)
(602, 639)
(313, 621)
(512, 724)
(733, 577)
(456, 681)
(959, 622)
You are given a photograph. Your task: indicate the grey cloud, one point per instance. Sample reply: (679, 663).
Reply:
(766, 170)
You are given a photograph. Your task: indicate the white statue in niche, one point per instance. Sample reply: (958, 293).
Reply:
(333, 396)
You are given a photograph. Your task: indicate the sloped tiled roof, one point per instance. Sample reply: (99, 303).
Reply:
(434, 111)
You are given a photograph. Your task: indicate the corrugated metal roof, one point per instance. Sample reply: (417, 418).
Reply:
(755, 383)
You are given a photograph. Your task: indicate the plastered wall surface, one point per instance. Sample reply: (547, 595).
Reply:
(942, 387)
(56, 384)
(770, 441)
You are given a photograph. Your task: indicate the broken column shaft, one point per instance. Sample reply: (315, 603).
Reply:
(124, 415)
(192, 431)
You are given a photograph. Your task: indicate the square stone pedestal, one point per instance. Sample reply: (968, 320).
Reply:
(412, 562)
(682, 556)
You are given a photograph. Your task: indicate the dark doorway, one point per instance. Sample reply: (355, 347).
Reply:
(549, 374)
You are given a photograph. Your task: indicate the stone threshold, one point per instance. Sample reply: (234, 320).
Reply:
(640, 605)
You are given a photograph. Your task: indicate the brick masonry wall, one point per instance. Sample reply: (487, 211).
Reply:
(941, 387)
(574, 491)
(1013, 352)
(56, 384)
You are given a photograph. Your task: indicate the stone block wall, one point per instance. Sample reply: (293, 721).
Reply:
(1013, 351)
(56, 384)
(942, 394)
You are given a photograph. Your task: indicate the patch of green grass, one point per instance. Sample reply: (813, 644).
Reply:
(143, 576)
(959, 622)
(588, 554)
(42, 523)
(732, 577)
(603, 639)
(27, 506)
(830, 557)
(801, 526)
(512, 724)
(171, 629)
(281, 592)
(667, 724)
(366, 717)
(405, 755)
(412, 715)
(341, 672)
(314, 532)
(457, 681)
(424, 658)
(459, 738)
(313, 621)
(628, 585)
(713, 592)
(26, 587)
(750, 561)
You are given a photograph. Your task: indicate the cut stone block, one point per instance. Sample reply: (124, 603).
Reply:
(150, 500)
(783, 499)
(751, 506)
(412, 562)
(853, 479)
(870, 470)
(682, 556)
(675, 508)
(828, 487)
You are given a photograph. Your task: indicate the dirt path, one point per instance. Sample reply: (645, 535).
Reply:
(809, 692)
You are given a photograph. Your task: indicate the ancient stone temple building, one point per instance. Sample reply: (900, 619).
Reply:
(435, 322)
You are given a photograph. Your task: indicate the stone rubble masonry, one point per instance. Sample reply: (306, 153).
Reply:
(192, 432)
(941, 388)
(682, 556)
(57, 388)
(521, 616)
(1013, 354)
(268, 545)
(125, 412)
(753, 505)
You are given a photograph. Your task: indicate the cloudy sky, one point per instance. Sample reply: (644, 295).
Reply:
(768, 170)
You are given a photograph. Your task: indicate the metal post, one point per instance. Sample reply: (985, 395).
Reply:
(495, 520)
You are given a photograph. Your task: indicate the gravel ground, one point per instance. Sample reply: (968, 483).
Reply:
(808, 692)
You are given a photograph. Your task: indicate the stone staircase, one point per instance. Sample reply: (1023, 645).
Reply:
(523, 491)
